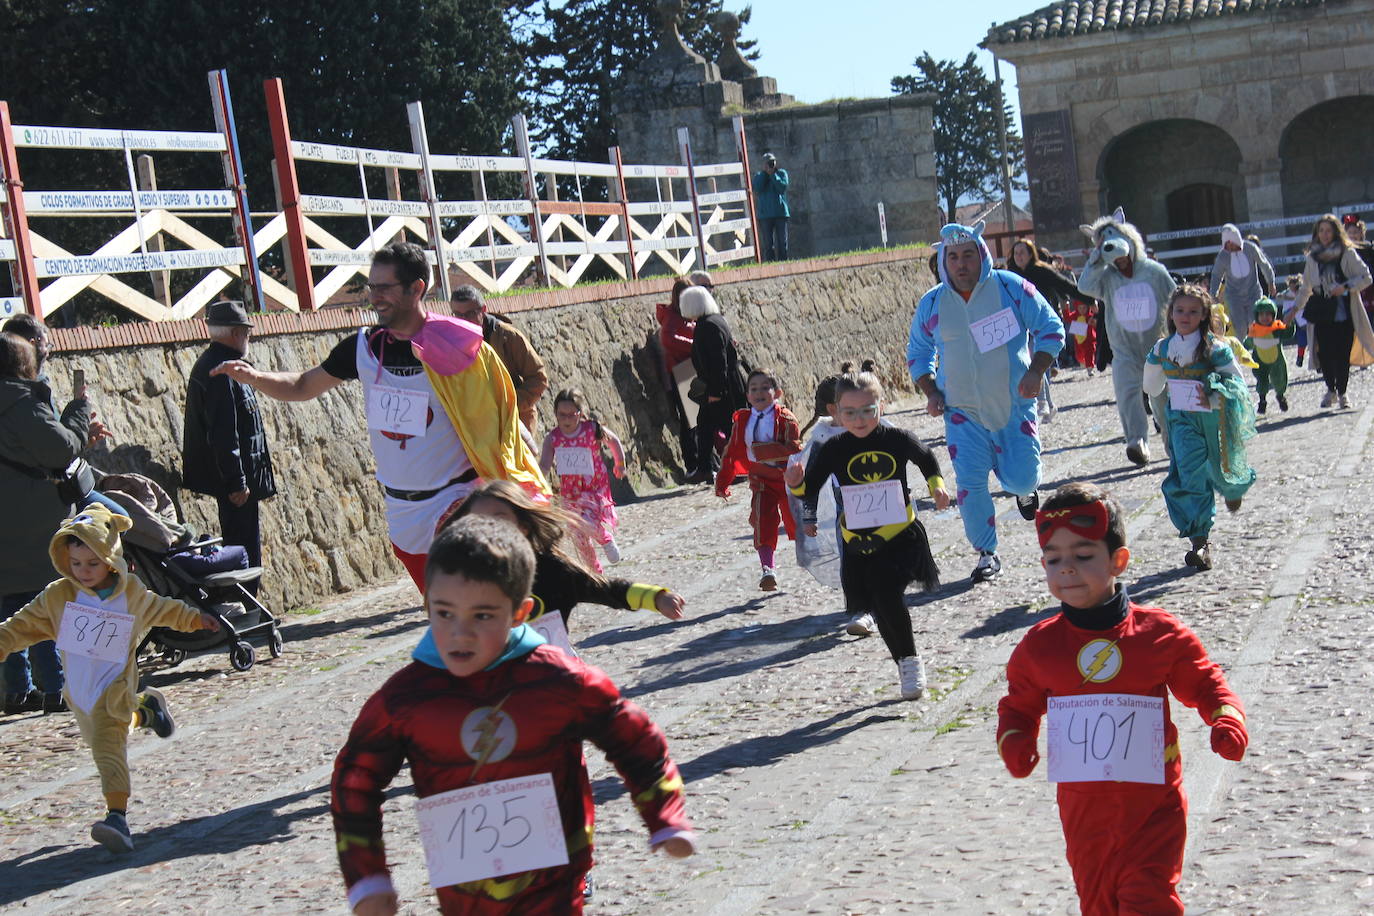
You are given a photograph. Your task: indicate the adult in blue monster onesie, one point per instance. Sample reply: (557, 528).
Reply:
(1136, 291)
(969, 354)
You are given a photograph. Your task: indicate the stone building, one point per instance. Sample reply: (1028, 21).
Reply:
(842, 157)
(1192, 113)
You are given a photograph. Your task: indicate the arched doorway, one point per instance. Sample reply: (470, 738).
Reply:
(1326, 156)
(1174, 174)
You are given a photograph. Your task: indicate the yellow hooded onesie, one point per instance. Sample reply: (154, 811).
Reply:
(106, 716)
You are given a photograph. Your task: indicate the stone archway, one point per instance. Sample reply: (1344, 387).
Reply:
(1172, 174)
(1327, 156)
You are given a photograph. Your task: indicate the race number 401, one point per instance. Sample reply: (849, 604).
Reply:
(1106, 737)
(492, 829)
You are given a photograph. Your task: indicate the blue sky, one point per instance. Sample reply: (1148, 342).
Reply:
(825, 49)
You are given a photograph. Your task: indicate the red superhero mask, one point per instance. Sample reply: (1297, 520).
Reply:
(1088, 520)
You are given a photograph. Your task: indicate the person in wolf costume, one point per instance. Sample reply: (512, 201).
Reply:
(969, 353)
(1136, 291)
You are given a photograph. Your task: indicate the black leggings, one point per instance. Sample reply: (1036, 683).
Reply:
(1334, 341)
(877, 583)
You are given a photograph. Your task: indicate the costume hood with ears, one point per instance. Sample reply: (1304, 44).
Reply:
(952, 234)
(99, 529)
(1240, 262)
(1113, 237)
(697, 302)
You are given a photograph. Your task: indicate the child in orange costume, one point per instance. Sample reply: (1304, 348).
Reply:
(1124, 838)
(764, 434)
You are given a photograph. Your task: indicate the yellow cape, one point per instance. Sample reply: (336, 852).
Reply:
(480, 402)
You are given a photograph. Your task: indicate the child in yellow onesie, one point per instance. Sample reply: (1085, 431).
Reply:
(106, 611)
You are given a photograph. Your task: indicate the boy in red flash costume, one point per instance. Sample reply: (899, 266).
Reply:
(1124, 839)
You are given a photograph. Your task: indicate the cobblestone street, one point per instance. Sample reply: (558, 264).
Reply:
(813, 789)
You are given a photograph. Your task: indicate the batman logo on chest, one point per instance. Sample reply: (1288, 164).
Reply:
(871, 467)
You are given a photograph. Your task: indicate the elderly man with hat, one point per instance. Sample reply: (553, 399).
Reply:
(224, 449)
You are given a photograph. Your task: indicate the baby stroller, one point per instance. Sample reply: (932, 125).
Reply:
(171, 562)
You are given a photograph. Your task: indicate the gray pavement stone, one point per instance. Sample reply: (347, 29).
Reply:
(814, 789)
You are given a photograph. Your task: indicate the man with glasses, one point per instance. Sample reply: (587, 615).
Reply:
(969, 354)
(517, 354)
(435, 435)
(224, 450)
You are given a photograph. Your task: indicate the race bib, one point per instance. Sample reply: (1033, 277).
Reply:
(1265, 343)
(1188, 396)
(554, 631)
(995, 330)
(1079, 328)
(870, 505)
(491, 830)
(95, 633)
(574, 462)
(397, 410)
(1106, 737)
(1135, 306)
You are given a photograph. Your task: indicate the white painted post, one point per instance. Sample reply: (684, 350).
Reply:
(162, 279)
(882, 223)
(419, 140)
(522, 145)
(684, 145)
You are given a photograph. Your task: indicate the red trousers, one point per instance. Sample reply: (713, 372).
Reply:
(414, 564)
(1086, 350)
(768, 507)
(1126, 848)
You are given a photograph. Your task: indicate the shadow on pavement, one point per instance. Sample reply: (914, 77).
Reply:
(761, 750)
(402, 618)
(1012, 618)
(1155, 584)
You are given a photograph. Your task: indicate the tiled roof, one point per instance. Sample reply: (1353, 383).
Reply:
(1083, 17)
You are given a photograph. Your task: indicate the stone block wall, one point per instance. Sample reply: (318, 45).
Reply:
(326, 531)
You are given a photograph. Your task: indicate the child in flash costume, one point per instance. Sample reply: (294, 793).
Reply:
(1134, 302)
(989, 427)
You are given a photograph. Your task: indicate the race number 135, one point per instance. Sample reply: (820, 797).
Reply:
(492, 829)
(1102, 737)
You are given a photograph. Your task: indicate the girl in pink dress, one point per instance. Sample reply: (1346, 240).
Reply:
(573, 449)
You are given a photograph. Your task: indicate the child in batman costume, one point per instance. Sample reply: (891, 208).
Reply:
(1124, 839)
(885, 544)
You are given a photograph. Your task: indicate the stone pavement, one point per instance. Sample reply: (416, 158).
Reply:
(814, 790)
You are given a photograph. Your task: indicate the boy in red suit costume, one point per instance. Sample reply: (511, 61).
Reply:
(490, 703)
(1124, 837)
(763, 436)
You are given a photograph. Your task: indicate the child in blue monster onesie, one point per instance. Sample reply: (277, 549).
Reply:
(969, 353)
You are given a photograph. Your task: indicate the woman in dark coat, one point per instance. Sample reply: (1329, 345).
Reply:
(717, 366)
(34, 443)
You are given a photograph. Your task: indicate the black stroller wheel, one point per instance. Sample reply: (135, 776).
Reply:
(242, 656)
(174, 657)
(274, 644)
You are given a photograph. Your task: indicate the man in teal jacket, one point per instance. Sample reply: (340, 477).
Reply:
(770, 203)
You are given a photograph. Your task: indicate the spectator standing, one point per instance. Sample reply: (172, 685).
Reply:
(770, 205)
(33, 440)
(718, 377)
(517, 353)
(1332, 272)
(224, 448)
(675, 342)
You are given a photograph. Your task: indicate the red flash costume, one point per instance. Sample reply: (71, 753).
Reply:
(539, 707)
(771, 448)
(1124, 840)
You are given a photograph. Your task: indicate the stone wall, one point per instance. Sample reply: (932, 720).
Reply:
(326, 531)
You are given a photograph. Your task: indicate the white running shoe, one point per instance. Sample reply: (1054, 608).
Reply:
(769, 580)
(1329, 398)
(612, 551)
(1345, 402)
(913, 675)
(860, 625)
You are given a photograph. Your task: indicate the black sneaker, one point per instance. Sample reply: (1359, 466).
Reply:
(17, 703)
(988, 566)
(1283, 402)
(53, 702)
(1027, 505)
(113, 834)
(1263, 406)
(156, 715)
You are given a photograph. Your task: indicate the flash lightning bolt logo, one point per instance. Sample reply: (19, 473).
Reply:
(488, 734)
(1099, 661)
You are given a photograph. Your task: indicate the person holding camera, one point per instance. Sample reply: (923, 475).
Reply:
(770, 205)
